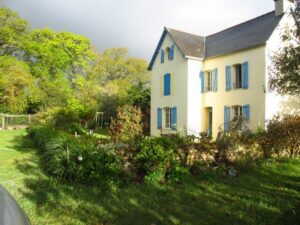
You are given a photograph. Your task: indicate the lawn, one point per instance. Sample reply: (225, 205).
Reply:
(269, 195)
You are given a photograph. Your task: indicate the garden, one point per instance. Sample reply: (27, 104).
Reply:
(87, 156)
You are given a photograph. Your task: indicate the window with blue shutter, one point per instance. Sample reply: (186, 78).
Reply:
(172, 52)
(226, 118)
(215, 80)
(245, 75)
(246, 112)
(162, 56)
(202, 81)
(174, 118)
(167, 84)
(228, 78)
(159, 118)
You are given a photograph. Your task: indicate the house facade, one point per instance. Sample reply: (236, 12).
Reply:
(203, 83)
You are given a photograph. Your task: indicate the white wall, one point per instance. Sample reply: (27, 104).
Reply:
(276, 104)
(195, 99)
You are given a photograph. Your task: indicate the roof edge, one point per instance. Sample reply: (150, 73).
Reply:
(240, 24)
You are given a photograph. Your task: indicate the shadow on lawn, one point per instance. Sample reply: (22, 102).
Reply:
(265, 196)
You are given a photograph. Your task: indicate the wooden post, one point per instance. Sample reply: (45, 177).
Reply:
(29, 119)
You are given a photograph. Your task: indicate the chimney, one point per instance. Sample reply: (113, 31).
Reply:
(282, 5)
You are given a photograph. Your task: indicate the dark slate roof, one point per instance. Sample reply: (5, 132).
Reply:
(189, 44)
(249, 34)
(246, 35)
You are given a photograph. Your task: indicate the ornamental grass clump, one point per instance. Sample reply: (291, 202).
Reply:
(75, 159)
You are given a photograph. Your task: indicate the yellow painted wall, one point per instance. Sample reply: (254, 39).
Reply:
(254, 95)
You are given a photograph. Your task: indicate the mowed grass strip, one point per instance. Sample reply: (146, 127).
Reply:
(269, 194)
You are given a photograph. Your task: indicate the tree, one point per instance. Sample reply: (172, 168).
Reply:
(17, 88)
(58, 61)
(116, 73)
(285, 75)
(12, 31)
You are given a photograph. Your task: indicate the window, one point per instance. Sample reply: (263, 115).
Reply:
(237, 112)
(168, 118)
(168, 53)
(209, 81)
(171, 118)
(237, 117)
(162, 56)
(238, 76)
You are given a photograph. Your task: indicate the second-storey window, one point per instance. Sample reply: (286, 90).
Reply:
(238, 76)
(209, 81)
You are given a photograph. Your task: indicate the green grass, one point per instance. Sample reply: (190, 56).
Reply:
(269, 195)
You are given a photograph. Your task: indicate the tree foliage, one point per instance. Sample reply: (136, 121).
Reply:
(285, 75)
(17, 87)
(44, 69)
(12, 31)
(118, 74)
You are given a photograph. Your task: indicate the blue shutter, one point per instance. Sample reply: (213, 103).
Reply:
(215, 80)
(159, 118)
(226, 118)
(202, 81)
(245, 74)
(167, 84)
(246, 112)
(228, 78)
(172, 52)
(162, 56)
(174, 118)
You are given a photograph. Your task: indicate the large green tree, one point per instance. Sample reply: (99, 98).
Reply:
(13, 30)
(285, 75)
(59, 62)
(117, 74)
(17, 87)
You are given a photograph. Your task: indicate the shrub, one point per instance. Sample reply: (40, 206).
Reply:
(59, 118)
(127, 127)
(283, 136)
(157, 160)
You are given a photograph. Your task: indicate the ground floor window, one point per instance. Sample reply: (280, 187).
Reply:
(167, 118)
(237, 112)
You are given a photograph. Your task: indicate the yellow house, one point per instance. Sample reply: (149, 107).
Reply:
(203, 83)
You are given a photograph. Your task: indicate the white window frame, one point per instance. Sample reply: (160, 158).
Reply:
(168, 118)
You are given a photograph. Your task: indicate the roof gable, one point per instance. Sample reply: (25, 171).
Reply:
(189, 44)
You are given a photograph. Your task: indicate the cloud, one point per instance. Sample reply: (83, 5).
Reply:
(136, 24)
